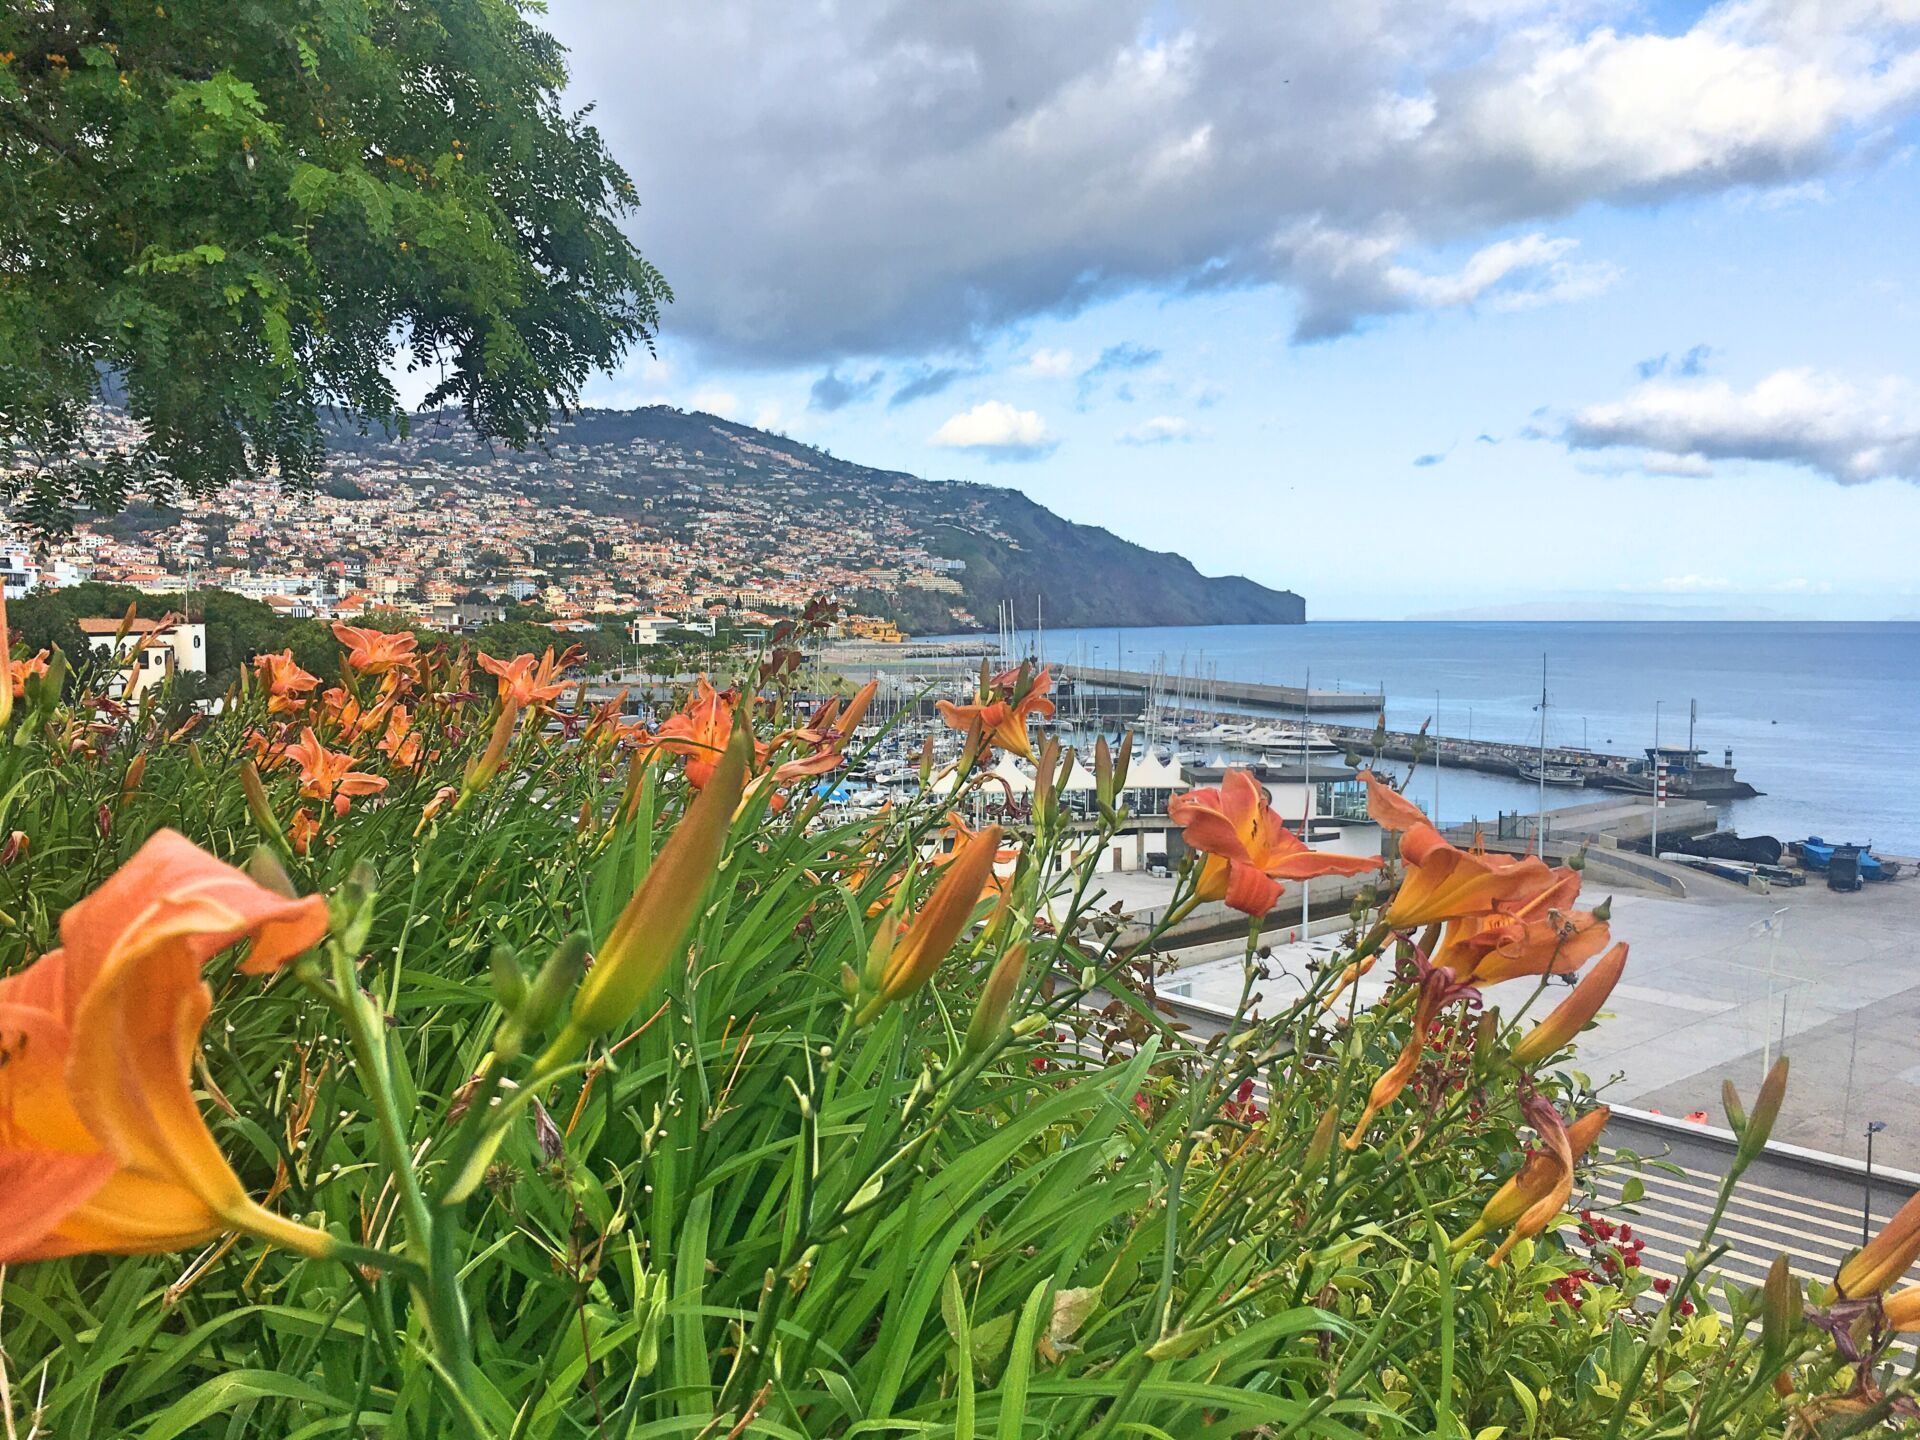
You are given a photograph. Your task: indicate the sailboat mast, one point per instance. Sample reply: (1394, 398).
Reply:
(1306, 789)
(1540, 821)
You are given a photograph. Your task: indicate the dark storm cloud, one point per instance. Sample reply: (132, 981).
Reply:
(884, 178)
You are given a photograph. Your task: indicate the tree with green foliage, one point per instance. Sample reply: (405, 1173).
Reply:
(240, 218)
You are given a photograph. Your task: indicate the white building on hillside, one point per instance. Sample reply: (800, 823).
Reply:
(147, 653)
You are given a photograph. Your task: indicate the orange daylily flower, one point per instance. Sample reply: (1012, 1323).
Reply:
(1527, 1203)
(376, 652)
(1002, 708)
(1444, 882)
(102, 1149)
(329, 774)
(700, 731)
(287, 684)
(526, 682)
(1249, 850)
(1388, 808)
(401, 743)
(1541, 935)
(21, 671)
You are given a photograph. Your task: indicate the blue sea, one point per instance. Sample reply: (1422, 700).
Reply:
(1822, 717)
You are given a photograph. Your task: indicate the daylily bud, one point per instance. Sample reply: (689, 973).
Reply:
(647, 1348)
(1885, 1258)
(1766, 1109)
(652, 929)
(265, 870)
(1736, 1112)
(1103, 773)
(549, 991)
(1043, 781)
(1901, 1310)
(970, 753)
(1781, 1306)
(996, 997)
(1321, 1145)
(1123, 762)
(926, 761)
(484, 766)
(856, 710)
(1486, 1031)
(134, 773)
(1570, 1017)
(508, 980)
(258, 806)
(1577, 860)
(1603, 912)
(1027, 1025)
(939, 923)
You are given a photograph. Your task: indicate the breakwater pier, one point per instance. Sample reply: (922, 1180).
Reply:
(1567, 768)
(1242, 694)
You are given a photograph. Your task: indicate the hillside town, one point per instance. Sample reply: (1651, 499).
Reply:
(437, 529)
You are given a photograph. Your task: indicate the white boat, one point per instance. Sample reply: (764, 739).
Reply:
(1544, 772)
(1291, 742)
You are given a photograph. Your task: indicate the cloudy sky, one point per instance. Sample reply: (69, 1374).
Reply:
(1410, 305)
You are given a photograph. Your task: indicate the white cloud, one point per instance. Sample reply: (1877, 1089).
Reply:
(1161, 430)
(723, 403)
(903, 178)
(1847, 431)
(1048, 364)
(998, 431)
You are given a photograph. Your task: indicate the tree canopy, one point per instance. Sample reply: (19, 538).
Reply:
(241, 217)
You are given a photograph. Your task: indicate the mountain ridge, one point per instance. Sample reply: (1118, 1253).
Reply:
(1010, 547)
(1076, 575)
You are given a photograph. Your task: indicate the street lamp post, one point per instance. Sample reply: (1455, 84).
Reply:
(1656, 780)
(1874, 1127)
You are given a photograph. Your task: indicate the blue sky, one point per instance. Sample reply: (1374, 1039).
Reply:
(1414, 308)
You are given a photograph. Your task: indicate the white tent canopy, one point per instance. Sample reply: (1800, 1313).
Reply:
(1151, 772)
